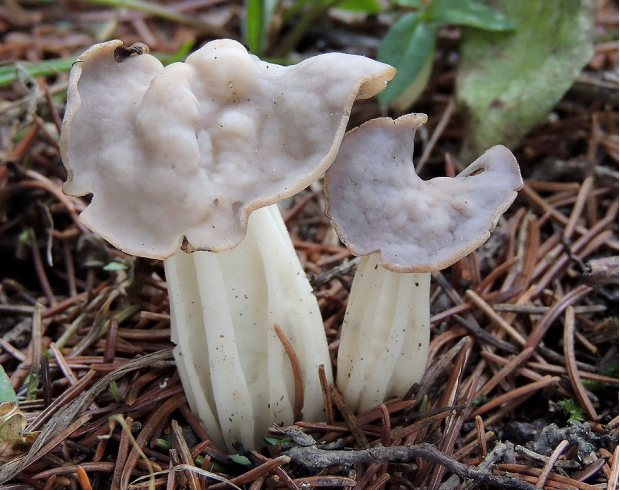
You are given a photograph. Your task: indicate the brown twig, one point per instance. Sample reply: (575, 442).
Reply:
(297, 373)
(571, 364)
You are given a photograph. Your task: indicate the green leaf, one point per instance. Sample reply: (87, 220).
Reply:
(163, 444)
(116, 393)
(415, 4)
(8, 73)
(254, 15)
(469, 13)
(180, 54)
(406, 47)
(7, 393)
(272, 441)
(508, 82)
(115, 266)
(237, 458)
(366, 6)
(258, 15)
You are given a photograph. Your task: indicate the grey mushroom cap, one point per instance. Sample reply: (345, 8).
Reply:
(377, 202)
(181, 155)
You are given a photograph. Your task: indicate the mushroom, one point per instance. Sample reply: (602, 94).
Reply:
(178, 158)
(404, 228)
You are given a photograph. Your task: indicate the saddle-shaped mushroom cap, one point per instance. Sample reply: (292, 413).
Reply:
(378, 203)
(179, 156)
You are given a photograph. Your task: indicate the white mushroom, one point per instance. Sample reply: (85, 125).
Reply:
(405, 228)
(178, 157)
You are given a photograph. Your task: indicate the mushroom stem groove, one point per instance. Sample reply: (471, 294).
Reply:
(223, 310)
(385, 334)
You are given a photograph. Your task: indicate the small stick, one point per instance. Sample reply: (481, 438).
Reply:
(516, 393)
(542, 478)
(258, 472)
(505, 371)
(49, 484)
(612, 482)
(110, 344)
(36, 341)
(13, 351)
(46, 380)
(56, 119)
(495, 273)
(564, 481)
(297, 207)
(41, 274)
(313, 457)
(61, 401)
(492, 314)
(379, 482)
(297, 374)
(164, 410)
(121, 458)
(571, 364)
(70, 268)
(481, 435)
(586, 186)
(371, 471)
(591, 469)
(542, 185)
(171, 480)
(386, 426)
(552, 368)
(20, 149)
(608, 459)
(83, 478)
(62, 364)
(548, 318)
(467, 449)
(186, 458)
(537, 200)
(283, 475)
(327, 399)
(349, 417)
(441, 125)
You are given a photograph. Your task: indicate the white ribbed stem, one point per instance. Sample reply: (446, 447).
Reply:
(385, 335)
(237, 376)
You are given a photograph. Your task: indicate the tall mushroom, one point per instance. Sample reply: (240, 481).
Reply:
(178, 158)
(404, 228)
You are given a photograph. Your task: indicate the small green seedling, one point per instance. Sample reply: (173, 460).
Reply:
(573, 410)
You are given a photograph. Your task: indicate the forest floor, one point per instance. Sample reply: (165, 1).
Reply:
(522, 390)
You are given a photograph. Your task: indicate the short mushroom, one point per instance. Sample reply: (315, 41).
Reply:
(404, 228)
(178, 158)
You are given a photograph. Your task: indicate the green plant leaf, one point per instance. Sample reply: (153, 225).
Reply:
(8, 73)
(180, 54)
(272, 441)
(237, 458)
(366, 6)
(115, 266)
(508, 82)
(258, 15)
(116, 393)
(415, 4)
(7, 393)
(406, 46)
(468, 13)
